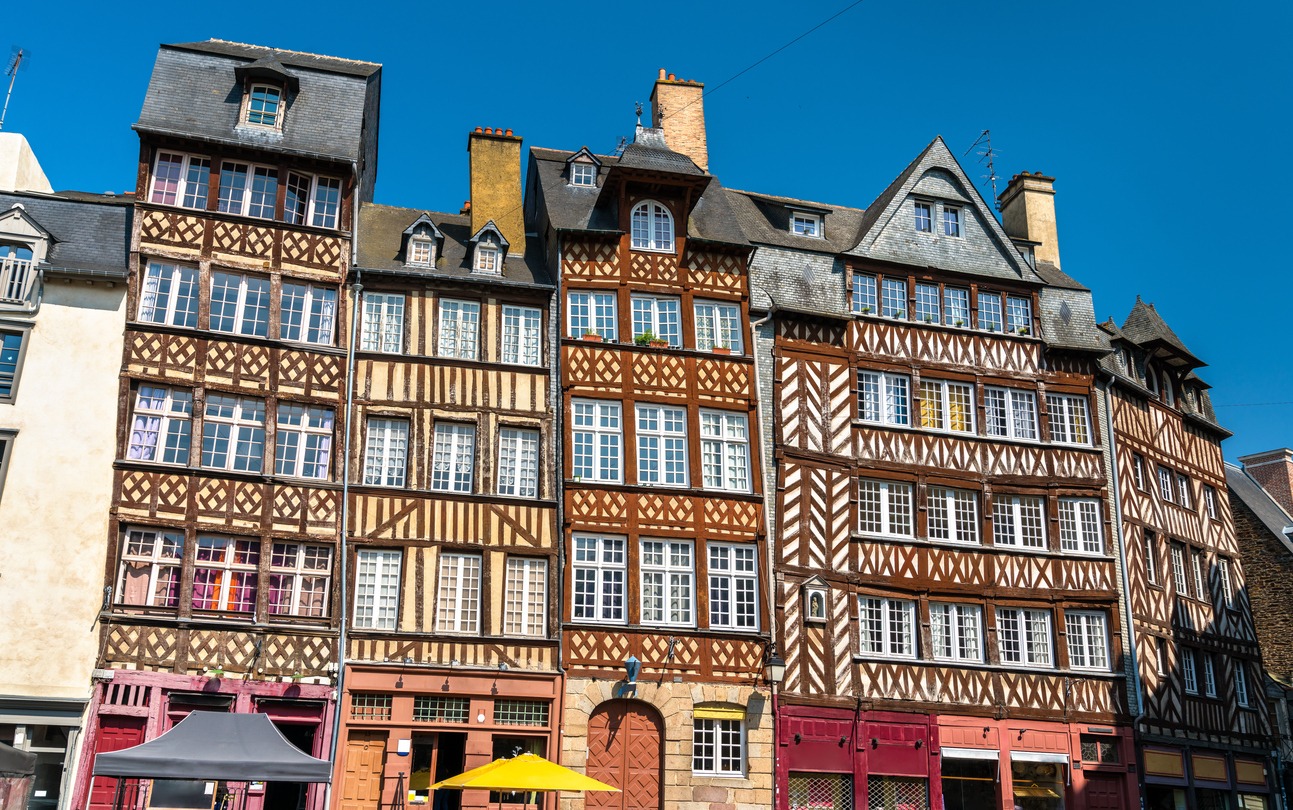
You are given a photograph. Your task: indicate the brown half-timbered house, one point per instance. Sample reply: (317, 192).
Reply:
(452, 649)
(226, 502)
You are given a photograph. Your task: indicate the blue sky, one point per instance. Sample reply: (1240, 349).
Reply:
(1164, 123)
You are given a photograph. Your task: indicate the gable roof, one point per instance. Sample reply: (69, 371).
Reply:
(1145, 327)
(90, 235)
(1267, 510)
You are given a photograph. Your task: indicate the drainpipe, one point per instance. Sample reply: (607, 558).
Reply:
(555, 398)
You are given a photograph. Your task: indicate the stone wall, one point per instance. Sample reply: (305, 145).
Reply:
(1268, 570)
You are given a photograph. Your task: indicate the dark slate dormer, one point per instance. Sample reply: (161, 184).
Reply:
(583, 169)
(267, 90)
(422, 243)
(488, 249)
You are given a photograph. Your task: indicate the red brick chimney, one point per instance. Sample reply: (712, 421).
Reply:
(1273, 469)
(678, 108)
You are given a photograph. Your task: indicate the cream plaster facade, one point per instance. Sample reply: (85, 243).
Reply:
(19, 169)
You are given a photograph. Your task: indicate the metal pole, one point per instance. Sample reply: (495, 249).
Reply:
(13, 76)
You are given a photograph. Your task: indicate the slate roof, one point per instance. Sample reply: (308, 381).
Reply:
(765, 220)
(91, 236)
(1056, 277)
(1270, 513)
(649, 152)
(381, 246)
(1143, 338)
(1144, 326)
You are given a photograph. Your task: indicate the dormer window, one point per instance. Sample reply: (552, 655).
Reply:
(487, 259)
(583, 174)
(804, 224)
(951, 221)
(924, 217)
(652, 227)
(265, 105)
(421, 251)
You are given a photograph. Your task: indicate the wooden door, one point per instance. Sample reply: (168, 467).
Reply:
(115, 733)
(1104, 791)
(361, 781)
(624, 750)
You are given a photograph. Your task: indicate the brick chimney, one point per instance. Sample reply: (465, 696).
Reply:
(678, 108)
(1273, 469)
(496, 184)
(1028, 212)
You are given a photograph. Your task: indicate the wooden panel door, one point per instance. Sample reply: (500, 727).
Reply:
(624, 750)
(115, 733)
(1104, 791)
(361, 781)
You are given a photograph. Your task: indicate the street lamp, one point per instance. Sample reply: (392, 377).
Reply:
(774, 667)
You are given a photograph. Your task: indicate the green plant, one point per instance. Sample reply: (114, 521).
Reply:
(866, 310)
(960, 322)
(900, 314)
(645, 338)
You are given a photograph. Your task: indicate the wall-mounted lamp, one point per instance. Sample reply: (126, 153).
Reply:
(632, 666)
(774, 667)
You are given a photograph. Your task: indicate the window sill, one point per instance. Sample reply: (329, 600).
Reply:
(669, 251)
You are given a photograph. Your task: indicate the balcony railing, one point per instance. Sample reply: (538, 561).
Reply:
(16, 280)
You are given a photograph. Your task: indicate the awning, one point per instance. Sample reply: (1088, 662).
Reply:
(718, 713)
(16, 763)
(970, 753)
(1039, 756)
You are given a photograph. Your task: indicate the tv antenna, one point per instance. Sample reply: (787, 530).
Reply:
(987, 155)
(15, 61)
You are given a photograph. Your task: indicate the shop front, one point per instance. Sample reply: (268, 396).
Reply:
(1179, 778)
(49, 728)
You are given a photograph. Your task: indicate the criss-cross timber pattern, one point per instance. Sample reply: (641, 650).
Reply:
(197, 650)
(172, 228)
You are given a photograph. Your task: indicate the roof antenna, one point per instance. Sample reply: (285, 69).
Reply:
(619, 147)
(987, 155)
(12, 72)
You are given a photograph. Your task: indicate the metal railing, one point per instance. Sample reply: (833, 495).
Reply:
(16, 277)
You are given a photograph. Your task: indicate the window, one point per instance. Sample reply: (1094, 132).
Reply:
(1165, 484)
(304, 441)
(233, 433)
(1024, 636)
(1080, 525)
(1138, 470)
(725, 451)
(327, 202)
(893, 298)
(820, 791)
(487, 259)
(459, 329)
(307, 313)
(1160, 658)
(947, 406)
(953, 514)
(596, 436)
(592, 313)
(1019, 521)
(263, 105)
(520, 712)
(1188, 671)
(1241, 685)
(453, 457)
(386, 452)
(883, 398)
(169, 295)
(924, 216)
(1087, 640)
(717, 747)
(458, 600)
(652, 227)
(1209, 676)
(957, 631)
(161, 424)
(370, 706)
(1067, 419)
(1151, 558)
(1104, 750)
(16, 273)
(1019, 315)
(441, 709)
(233, 188)
(525, 608)
(421, 251)
(1168, 395)
(248, 190)
(518, 462)
(1183, 490)
(805, 224)
(1223, 574)
(598, 573)
(383, 323)
(224, 574)
(299, 578)
(1210, 500)
(11, 345)
(296, 198)
(181, 180)
(239, 304)
(7, 438)
(1178, 569)
(1196, 568)
(583, 174)
(927, 303)
(668, 582)
(377, 588)
(951, 221)
(662, 445)
(315, 200)
(150, 568)
(990, 312)
(885, 507)
(733, 587)
(887, 627)
(864, 294)
(718, 326)
(1010, 413)
(658, 318)
(956, 306)
(522, 335)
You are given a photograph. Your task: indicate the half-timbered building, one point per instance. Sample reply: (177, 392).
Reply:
(226, 496)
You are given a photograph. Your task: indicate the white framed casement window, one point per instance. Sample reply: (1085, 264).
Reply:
(303, 444)
(151, 560)
(1151, 558)
(313, 199)
(733, 587)
(421, 252)
(169, 295)
(1210, 500)
(383, 329)
(1209, 676)
(893, 297)
(518, 462)
(924, 216)
(928, 299)
(956, 306)
(725, 450)
(307, 313)
(1067, 419)
(991, 315)
(458, 597)
(296, 198)
(1088, 639)
(657, 316)
(885, 508)
(233, 433)
(180, 179)
(953, 515)
(884, 398)
(956, 631)
(1189, 671)
(1019, 521)
(1178, 570)
(718, 747)
(453, 457)
(947, 406)
(386, 452)
(805, 224)
(300, 577)
(458, 332)
(951, 221)
(887, 627)
(1080, 521)
(583, 174)
(865, 301)
(161, 425)
(525, 599)
(487, 260)
(1184, 490)
(225, 574)
(248, 190)
(1019, 315)
(1196, 569)
(377, 588)
(1138, 470)
(239, 304)
(597, 430)
(325, 205)
(1160, 656)
(718, 326)
(599, 569)
(1241, 684)
(1024, 637)
(522, 335)
(591, 313)
(662, 445)
(1165, 484)
(668, 569)
(652, 227)
(264, 105)
(1010, 413)
(1223, 575)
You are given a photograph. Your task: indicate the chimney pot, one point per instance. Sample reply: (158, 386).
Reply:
(673, 78)
(508, 133)
(479, 130)
(662, 73)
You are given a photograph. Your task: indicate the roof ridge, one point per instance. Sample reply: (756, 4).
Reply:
(271, 49)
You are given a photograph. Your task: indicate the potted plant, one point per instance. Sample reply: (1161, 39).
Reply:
(593, 336)
(718, 348)
(960, 322)
(900, 314)
(866, 310)
(645, 338)
(1023, 330)
(929, 319)
(659, 343)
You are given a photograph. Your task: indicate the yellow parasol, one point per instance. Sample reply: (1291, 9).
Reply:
(528, 773)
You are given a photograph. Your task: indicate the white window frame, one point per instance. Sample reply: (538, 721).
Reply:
(1010, 413)
(602, 561)
(162, 568)
(174, 423)
(661, 315)
(458, 593)
(386, 446)
(383, 325)
(313, 191)
(1210, 500)
(185, 193)
(453, 457)
(866, 300)
(652, 227)
(1080, 526)
(1241, 684)
(1209, 676)
(311, 431)
(178, 304)
(662, 445)
(1019, 521)
(421, 251)
(893, 297)
(718, 325)
(992, 311)
(956, 307)
(1198, 580)
(522, 335)
(236, 573)
(937, 395)
(275, 116)
(377, 582)
(1068, 419)
(583, 174)
(1189, 671)
(488, 260)
(1138, 470)
(1179, 582)
(1032, 633)
(956, 631)
(1227, 586)
(928, 306)
(884, 398)
(667, 582)
(953, 224)
(896, 631)
(886, 508)
(592, 312)
(306, 565)
(922, 212)
(246, 428)
(733, 587)
(246, 318)
(458, 329)
(1165, 488)
(518, 462)
(803, 223)
(1184, 491)
(525, 598)
(1150, 541)
(725, 451)
(716, 744)
(1087, 633)
(947, 505)
(1019, 315)
(597, 440)
(242, 204)
(1160, 655)
(317, 313)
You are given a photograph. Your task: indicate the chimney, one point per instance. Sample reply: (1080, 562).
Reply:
(1273, 469)
(678, 108)
(1028, 212)
(19, 169)
(496, 184)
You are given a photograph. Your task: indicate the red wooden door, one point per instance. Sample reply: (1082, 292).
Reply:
(115, 733)
(1104, 791)
(624, 750)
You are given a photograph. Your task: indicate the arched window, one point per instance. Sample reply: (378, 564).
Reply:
(20, 252)
(15, 272)
(652, 226)
(1151, 379)
(1168, 395)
